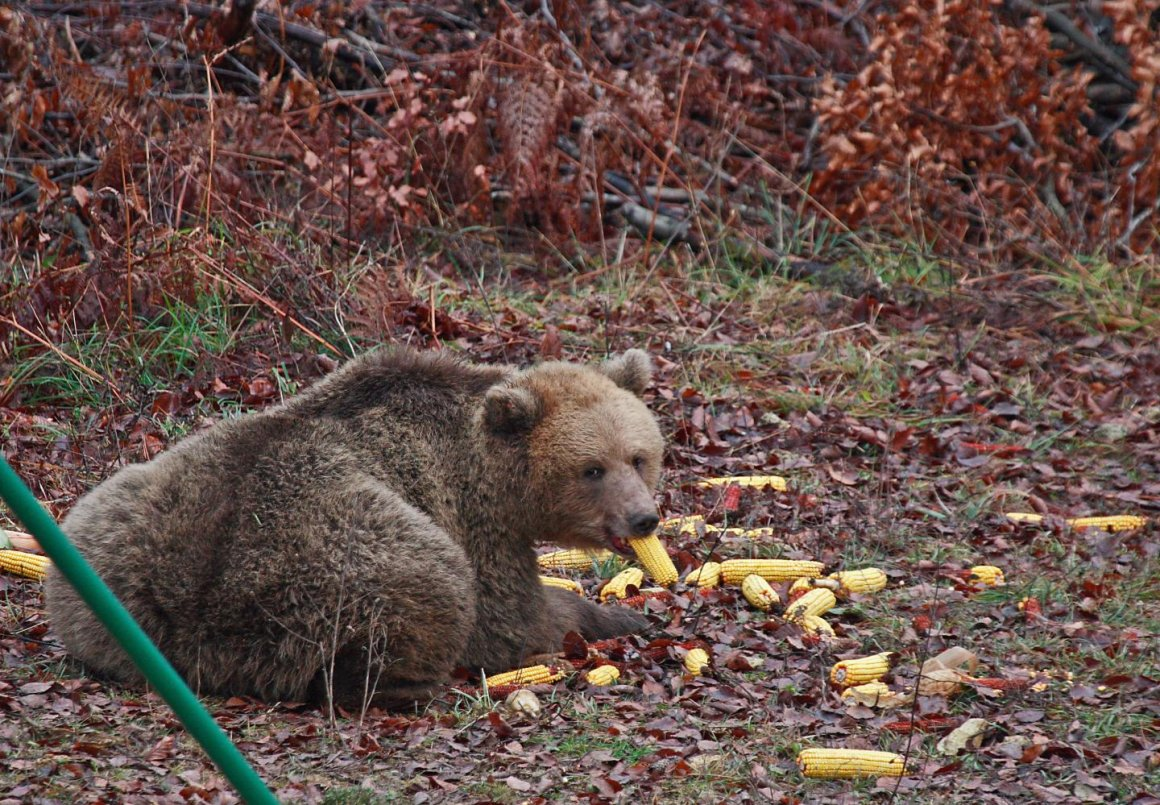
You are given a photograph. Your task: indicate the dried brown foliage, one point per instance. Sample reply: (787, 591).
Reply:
(954, 122)
(964, 127)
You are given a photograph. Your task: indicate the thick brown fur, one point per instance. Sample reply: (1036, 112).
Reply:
(374, 532)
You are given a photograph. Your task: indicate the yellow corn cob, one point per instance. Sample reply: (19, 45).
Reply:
(758, 592)
(707, 575)
(685, 524)
(816, 625)
(800, 586)
(531, 675)
(733, 531)
(756, 481)
(988, 575)
(572, 559)
(652, 554)
(30, 565)
(866, 692)
(862, 669)
(696, 661)
(835, 764)
(1115, 522)
(734, 571)
(563, 584)
(603, 675)
(815, 602)
(866, 580)
(617, 586)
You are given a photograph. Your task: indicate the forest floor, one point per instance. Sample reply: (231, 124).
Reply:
(201, 215)
(906, 432)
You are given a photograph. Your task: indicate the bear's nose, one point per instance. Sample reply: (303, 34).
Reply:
(643, 524)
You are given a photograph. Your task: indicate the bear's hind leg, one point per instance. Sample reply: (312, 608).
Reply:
(405, 606)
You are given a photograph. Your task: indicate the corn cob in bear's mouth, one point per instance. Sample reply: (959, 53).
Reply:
(620, 545)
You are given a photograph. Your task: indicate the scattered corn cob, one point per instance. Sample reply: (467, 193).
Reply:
(733, 531)
(755, 481)
(734, 571)
(603, 675)
(707, 575)
(862, 669)
(652, 554)
(617, 586)
(1031, 607)
(685, 524)
(866, 580)
(696, 661)
(563, 584)
(572, 559)
(758, 592)
(30, 565)
(916, 725)
(988, 575)
(815, 602)
(867, 692)
(531, 675)
(657, 594)
(816, 625)
(800, 586)
(1115, 522)
(837, 764)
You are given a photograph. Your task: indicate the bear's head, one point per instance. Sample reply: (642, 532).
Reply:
(590, 449)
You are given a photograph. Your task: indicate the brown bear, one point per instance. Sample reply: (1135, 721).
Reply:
(374, 532)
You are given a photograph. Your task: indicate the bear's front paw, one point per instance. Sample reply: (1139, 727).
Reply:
(613, 621)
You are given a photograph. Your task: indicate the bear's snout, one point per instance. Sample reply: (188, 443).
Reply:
(642, 524)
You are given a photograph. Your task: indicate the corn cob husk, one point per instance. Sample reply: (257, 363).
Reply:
(816, 602)
(866, 580)
(940, 682)
(696, 661)
(758, 592)
(988, 575)
(1023, 517)
(29, 565)
(651, 553)
(707, 575)
(839, 764)
(734, 571)
(862, 669)
(603, 675)
(572, 559)
(755, 481)
(868, 693)
(684, 524)
(531, 675)
(816, 625)
(563, 584)
(617, 586)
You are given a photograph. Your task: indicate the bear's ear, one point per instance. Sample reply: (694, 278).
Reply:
(510, 410)
(631, 371)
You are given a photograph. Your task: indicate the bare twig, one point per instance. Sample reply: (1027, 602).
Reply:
(1109, 62)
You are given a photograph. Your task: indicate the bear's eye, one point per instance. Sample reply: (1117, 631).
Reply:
(594, 473)
(638, 463)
